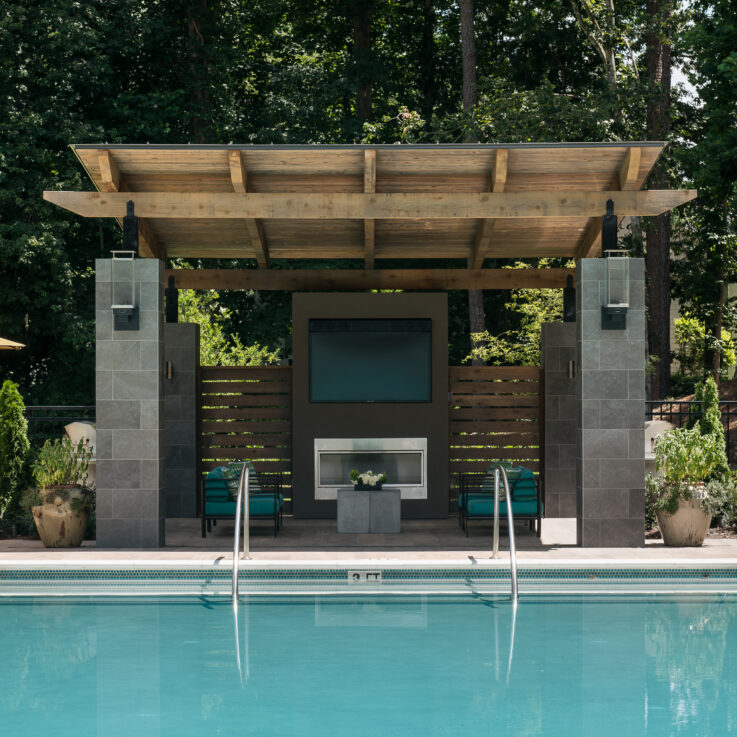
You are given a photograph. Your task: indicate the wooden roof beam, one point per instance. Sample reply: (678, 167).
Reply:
(109, 172)
(629, 171)
(149, 245)
(359, 279)
(255, 230)
(497, 182)
(357, 206)
(369, 187)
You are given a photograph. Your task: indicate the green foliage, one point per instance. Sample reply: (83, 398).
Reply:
(693, 343)
(520, 345)
(14, 447)
(61, 463)
(216, 347)
(710, 422)
(685, 456)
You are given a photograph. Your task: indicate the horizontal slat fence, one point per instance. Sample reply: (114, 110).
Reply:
(495, 415)
(245, 414)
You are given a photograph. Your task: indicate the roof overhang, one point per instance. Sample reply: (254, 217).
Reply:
(464, 201)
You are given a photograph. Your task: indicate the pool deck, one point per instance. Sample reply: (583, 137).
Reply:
(438, 543)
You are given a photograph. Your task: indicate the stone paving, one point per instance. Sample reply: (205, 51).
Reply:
(302, 541)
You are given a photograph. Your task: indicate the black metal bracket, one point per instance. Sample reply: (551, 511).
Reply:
(125, 318)
(613, 317)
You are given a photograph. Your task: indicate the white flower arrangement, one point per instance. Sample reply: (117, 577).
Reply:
(367, 478)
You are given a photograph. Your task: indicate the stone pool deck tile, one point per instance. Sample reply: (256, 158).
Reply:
(305, 543)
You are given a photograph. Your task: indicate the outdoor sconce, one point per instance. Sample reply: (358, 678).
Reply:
(169, 370)
(123, 294)
(171, 296)
(614, 309)
(125, 312)
(571, 369)
(569, 301)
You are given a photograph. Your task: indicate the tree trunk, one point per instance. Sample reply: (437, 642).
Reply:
(198, 63)
(427, 61)
(476, 314)
(657, 258)
(468, 58)
(362, 11)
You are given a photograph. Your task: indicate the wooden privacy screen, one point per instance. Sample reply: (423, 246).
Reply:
(495, 415)
(245, 413)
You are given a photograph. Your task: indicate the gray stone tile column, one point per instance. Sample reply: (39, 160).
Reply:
(182, 350)
(558, 348)
(610, 462)
(130, 416)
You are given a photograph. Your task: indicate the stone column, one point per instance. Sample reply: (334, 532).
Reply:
(558, 348)
(130, 417)
(610, 462)
(182, 350)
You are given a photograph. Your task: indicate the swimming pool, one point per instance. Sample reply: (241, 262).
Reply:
(393, 665)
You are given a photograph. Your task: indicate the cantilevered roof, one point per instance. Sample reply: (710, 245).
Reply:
(370, 202)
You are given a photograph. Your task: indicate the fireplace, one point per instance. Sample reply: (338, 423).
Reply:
(403, 460)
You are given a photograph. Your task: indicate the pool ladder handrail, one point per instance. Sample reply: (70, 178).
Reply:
(500, 471)
(243, 484)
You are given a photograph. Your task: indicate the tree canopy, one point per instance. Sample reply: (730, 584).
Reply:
(279, 71)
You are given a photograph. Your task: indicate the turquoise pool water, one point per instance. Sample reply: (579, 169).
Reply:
(414, 666)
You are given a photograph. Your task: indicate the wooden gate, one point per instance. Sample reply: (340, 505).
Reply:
(245, 413)
(496, 414)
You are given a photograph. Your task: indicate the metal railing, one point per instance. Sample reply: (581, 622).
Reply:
(499, 471)
(46, 422)
(240, 505)
(680, 411)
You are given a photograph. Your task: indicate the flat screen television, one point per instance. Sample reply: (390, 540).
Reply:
(370, 360)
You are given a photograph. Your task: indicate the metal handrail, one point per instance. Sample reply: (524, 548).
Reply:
(500, 471)
(242, 489)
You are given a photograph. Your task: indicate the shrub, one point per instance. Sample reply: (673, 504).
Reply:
(710, 421)
(61, 463)
(14, 447)
(685, 456)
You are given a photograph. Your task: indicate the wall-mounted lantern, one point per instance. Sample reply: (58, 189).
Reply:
(617, 298)
(123, 302)
(569, 300)
(123, 294)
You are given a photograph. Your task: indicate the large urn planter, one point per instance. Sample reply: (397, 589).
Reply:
(61, 520)
(687, 526)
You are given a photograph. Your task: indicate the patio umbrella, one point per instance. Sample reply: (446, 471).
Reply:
(10, 345)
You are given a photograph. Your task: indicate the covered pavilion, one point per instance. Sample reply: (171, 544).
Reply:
(269, 205)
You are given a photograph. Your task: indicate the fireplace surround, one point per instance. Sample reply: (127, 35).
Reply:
(403, 460)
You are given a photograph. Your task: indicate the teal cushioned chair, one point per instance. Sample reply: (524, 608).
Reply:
(476, 497)
(220, 491)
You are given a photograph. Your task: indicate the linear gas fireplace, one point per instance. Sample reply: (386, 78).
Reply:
(403, 460)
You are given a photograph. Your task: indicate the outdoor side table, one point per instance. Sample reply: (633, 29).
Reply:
(369, 511)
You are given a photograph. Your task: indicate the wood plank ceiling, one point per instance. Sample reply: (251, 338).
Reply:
(538, 171)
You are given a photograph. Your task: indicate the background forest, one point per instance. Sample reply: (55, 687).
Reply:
(342, 71)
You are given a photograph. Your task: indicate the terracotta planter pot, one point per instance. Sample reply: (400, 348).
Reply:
(58, 525)
(687, 527)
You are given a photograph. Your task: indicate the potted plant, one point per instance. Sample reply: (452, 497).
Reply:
(687, 464)
(61, 505)
(367, 481)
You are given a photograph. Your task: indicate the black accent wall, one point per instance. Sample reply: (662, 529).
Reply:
(370, 420)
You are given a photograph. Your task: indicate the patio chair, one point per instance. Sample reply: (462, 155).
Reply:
(220, 490)
(476, 497)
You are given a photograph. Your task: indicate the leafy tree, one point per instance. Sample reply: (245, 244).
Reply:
(216, 347)
(520, 345)
(710, 242)
(693, 343)
(14, 447)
